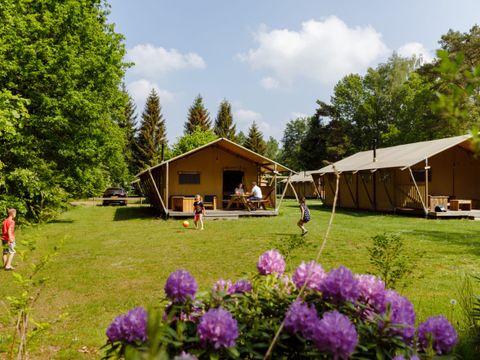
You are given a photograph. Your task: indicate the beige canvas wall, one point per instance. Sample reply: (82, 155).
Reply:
(210, 163)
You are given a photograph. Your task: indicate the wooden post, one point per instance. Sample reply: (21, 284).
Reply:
(418, 191)
(283, 193)
(275, 185)
(166, 183)
(426, 182)
(158, 192)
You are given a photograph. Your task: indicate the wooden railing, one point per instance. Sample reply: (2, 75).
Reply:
(408, 197)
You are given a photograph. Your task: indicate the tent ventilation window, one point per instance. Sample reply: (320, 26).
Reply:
(189, 178)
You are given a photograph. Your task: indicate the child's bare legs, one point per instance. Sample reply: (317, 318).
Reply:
(8, 265)
(201, 222)
(5, 259)
(300, 224)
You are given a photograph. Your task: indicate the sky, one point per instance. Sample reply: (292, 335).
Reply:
(271, 59)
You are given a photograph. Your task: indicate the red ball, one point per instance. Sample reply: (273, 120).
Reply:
(186, 224)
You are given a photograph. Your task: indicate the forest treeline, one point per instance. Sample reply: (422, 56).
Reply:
(69, 128)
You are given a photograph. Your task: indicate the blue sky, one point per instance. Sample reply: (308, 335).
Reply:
(270, 59)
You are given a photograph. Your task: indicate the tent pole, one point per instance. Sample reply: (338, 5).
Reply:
(275, 185)
(418, 191)
(166, 183)
(426, 181)
(158, 193)
(283, 193)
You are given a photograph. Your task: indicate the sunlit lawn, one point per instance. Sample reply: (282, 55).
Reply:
(116, 258)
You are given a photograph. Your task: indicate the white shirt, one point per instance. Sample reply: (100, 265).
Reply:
(256, 191)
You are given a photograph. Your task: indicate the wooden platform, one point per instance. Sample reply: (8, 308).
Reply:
(456, 214)
(223, 214)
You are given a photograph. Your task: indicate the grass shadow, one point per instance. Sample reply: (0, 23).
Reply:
(60, 221)
(346, 212)
(134, 212)
(469, 239)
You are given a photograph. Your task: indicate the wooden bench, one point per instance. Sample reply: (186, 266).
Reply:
(257, 204)
(210, 201)
(458, 204)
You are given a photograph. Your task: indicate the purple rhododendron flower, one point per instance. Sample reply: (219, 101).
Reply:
(180, 286)
(302, 318)
(336, 335)
(310, 273)
(270, 262)
(340, 285)
(241, 286)
(401, 313)
(372, 291)
(185, 356)
(218, 328)
(440, 332)
(131, 327)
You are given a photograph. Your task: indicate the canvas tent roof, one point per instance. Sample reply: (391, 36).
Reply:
(301, 177)
(400, 156)
(232, 147)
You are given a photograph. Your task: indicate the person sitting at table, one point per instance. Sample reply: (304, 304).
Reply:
(239, 189)
(256, 193)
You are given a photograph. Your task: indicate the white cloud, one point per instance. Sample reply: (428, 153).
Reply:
(140, 89)
(270, 83)
(244, 119)
(151, 61)
(417, 49)
(322, 50)
(296, 115)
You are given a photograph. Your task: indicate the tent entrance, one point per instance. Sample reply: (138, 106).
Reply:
(231, 179)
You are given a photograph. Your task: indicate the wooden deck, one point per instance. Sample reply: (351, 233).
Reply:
(456, 214)
(223, 214)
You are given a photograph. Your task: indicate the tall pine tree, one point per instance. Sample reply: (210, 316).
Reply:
(224, 126)
(152, 134)
(255, 140)
(198, 117)
(127, 122)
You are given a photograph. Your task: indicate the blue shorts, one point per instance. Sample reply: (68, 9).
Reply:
(8, 247)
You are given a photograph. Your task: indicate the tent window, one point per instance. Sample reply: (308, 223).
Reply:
(419, 175)
(189, 178)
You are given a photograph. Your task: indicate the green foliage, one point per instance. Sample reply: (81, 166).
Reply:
(293, 136)
(288, 244)
(24, 326)
(152, 133)
(198, 117)
(389, 259)
(272, 149)
(469, 346)
(255, 140)
(191, 141)
(224, 126)
(64, 62)
(127, 123)
(241, 138)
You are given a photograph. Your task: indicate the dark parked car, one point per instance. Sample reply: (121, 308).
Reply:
(115, 195)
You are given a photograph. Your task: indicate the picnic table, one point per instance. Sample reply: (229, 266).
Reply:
(238, 200)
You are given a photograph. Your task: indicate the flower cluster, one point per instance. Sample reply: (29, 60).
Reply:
(131, 327)
(311, 274)
(338, 310)
(271, 262)
(180, 286)
(218, 328)
(439, 332)
(340, 285)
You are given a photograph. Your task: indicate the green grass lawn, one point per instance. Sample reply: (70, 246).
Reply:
(116, 258)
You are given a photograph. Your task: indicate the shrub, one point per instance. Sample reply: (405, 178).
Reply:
(339, 315)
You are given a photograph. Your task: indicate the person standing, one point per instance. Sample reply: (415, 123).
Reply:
(8, 239)
(199, 211)
(304, 216)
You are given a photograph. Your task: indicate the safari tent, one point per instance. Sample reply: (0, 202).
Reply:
(303, 185)
(212, 171)
(415, 177)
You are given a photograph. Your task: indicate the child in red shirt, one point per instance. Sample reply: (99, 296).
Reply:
(8, 239)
